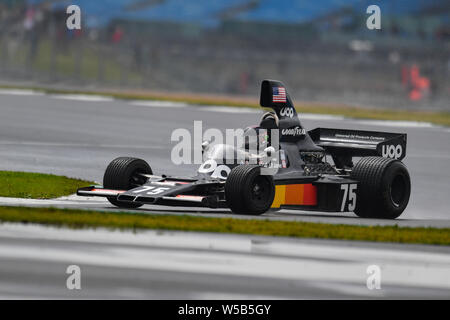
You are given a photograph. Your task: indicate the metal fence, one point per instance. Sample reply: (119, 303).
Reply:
(334, 68)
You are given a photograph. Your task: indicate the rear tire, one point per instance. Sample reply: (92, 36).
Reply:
(249, 192)
(384, 187)
(123, 174)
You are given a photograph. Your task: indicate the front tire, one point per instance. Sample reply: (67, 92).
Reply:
(249, 192)
(124, 174)
(384, 187)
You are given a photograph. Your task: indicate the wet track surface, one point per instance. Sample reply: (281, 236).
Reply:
(78, 136)
(177, 265)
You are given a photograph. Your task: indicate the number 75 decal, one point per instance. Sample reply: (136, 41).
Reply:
(349, 198)
(151, 190)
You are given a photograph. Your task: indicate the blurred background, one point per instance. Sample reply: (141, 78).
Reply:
(322, 50)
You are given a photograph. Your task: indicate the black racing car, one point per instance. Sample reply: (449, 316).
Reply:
(333, 170)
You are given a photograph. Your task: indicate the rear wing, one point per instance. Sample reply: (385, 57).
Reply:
(359, 143)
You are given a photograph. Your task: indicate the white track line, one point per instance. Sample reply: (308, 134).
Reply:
(78, 145)
(394, 123)
(75, 200)
(221, 109)
(226, 109)
(315, 116)
(21, 92)
(82, 97)
(159, 104)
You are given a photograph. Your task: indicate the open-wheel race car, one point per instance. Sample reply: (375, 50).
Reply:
(329, 170)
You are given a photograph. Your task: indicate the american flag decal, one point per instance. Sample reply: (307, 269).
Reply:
(279, 94)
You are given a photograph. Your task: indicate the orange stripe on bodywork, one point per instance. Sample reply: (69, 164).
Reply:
(295, 195)
(280, 192)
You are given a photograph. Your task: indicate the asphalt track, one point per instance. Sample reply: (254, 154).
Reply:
(77, 136)
(178, 265)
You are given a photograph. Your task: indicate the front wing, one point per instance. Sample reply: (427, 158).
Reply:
(167, 192)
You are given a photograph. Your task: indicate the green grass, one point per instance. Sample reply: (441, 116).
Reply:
(37, 185)
(439, 118)
(93, 219)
